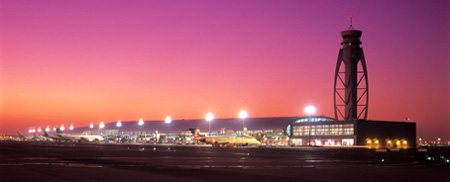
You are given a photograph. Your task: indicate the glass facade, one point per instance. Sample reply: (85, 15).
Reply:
(324, 130)
(288, 130)
(314, 119)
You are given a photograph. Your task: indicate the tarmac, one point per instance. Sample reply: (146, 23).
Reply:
(51, 161)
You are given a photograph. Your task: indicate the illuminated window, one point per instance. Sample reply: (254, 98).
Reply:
(324, 130)
(314, 119)
(347, 141)
(348, 129)
(306, 130)
(298, 130)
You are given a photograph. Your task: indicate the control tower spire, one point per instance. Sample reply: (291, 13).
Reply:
(351, 89)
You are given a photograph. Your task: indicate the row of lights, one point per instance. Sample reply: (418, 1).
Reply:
(47, 129)
(209, 117)
(389, 143)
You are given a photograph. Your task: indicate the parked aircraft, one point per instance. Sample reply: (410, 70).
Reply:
(41, 138)
(26, 138)
(52, 137)
(78, 138)
(225, 141)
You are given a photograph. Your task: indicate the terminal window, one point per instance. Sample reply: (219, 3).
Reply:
(348, 141)
(324, 130)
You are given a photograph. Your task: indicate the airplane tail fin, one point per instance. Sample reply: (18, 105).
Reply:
(58, 130)
(195, 132)
(45, 132)
(20, 134)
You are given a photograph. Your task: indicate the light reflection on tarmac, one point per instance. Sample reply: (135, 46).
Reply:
(22, 161)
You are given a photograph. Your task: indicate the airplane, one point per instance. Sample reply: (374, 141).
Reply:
(51, 137)
(78, 138)
(225, 141)
(41, 138)
(30, 138)
(25, 138)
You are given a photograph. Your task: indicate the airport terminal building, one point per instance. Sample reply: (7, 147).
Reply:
(294, 131)
(318, 131)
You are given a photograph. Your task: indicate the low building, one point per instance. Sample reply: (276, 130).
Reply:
(319, 130)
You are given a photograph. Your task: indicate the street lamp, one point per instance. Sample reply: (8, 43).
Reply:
(209, 118)
(140, 123)
(168, 121)
(62, 128)
(119, 124)
(310, 110)
(101, 126)
(91, 126)
(47, 129)
(71, 127)
(243, 114)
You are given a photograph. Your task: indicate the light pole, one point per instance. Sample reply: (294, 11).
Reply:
(209, 118)
(71, 128)
(168, 121)
(91, 126)
(101, 126)
(243, 114)
(310, 110)
(140, 123)
(62, 128)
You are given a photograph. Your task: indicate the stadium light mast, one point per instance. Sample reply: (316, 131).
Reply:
(209, 118)
(101, 126)
(310, 110)
(168, 120)
(140, 123)
(243, 114)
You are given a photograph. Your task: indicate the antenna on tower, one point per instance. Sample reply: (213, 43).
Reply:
(351, 22)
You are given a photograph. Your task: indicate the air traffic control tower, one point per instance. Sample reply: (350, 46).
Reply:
(351, 89)
(351, 97)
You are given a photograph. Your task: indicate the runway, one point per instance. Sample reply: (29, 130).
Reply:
(31, 161)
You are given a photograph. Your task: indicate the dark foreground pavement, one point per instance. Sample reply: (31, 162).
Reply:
(39, 161)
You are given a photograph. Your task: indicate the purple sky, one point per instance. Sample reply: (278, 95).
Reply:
(77, 62)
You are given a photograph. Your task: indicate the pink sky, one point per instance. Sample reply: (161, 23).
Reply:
(65, 62)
